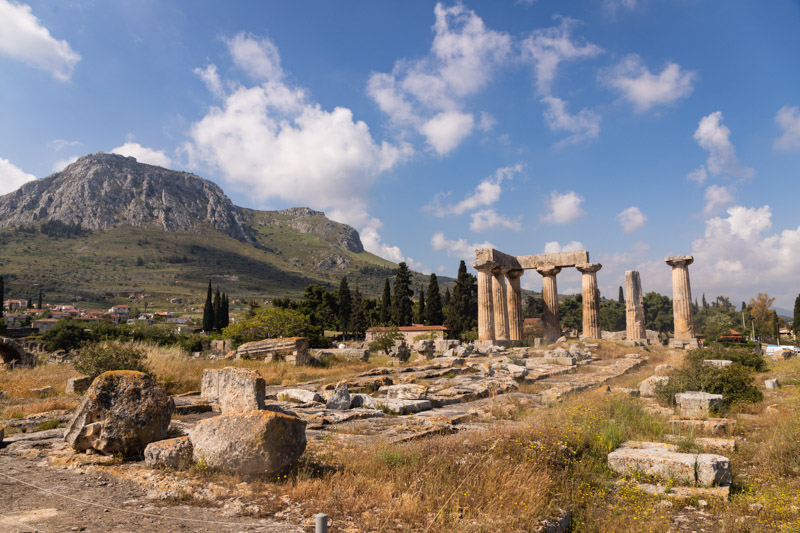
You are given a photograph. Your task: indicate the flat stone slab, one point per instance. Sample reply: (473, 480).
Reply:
(714, 426)
(403, 407)
(560, 361)
(719, 363)
(663, 461)
(698, 404)
(300, 395)
(710, 443)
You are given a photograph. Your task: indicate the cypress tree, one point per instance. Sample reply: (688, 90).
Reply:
(386, 303)
(345, 306)
(217, 307)
(705, 304)
(621, 297)
(2, 296)
(463, 304)
(419, 315)
(433, 313)
(401, 304)
(208, 312)
(796, 321)
(40, 299)
(226, 315)
(358, 317)
(447, 297)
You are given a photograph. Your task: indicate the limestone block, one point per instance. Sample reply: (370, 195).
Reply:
(363, 400)
(236, 390)
(647, 388)
(771, 384)
(664, 370)
(77, 385)
(170, 453)
(403, 407)
(405, 392)
(352, 354)
(253, 443)
(340, 398)
(656, 461)
(291, 349)
(517, 371)
(122, 412)
(400, 351)
(300, 395)
(425, 347)
(719, 363)
(559, 361)
(698, 404)
(442, 345)
(713, 470)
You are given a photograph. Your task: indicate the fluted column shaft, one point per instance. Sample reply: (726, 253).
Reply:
(681, 296)
(485, 304)
(552, 327)
(500, 309)
(634, 309)
(591, 300)
(514, 305)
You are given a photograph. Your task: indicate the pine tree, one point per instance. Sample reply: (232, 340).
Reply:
(419, 313)
(217, 307)
(386, 303)
(402, 307)
(208, 312)
(345, 306)
(433, 313)
(621, 298)
(358, 317)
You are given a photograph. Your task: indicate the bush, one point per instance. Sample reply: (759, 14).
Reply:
(268, 323)
(385, 339)
(742, 355)
(733, 382)
(65, 335)
(94, 359)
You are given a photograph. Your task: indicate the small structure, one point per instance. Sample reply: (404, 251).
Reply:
(732, 336)
(410, 333)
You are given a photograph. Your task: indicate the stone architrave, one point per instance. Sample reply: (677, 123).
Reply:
(591, 300)
(485, 304)
(499, 304)
(514, 304)
(634, 309)
(552, 327)
(682, 301)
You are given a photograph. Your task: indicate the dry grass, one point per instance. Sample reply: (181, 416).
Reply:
(22, 402)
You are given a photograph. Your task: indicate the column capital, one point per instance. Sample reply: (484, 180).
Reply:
(679, 260)
(484, 265)
(548, 270)
(514, 273)
(588, 267)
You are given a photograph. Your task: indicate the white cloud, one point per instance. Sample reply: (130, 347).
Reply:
(428, 94)
(554, 247)
(143, 154)
(714, 137)
(486, 193)
(631, 219)
(584, 125)
(259, 58)
(717, 197)
(58, 144)
(446, 130)
(11, 177)
(487, 121)
(486, 219)
(612, 6)
(738, 257)
(61, 164)
(210, 77)
(547, 47)
(788, 118)
(22, 37)
(699, 175)
(563, 208)
(458, 248)
(645, 89)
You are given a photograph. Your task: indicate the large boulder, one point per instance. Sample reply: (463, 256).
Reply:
(122, 412)
(171, 453)
(236, 390)
(254, 443)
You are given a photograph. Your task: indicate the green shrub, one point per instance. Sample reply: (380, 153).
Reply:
(268, 323)
(384, 340)
(734, 382)
(742, 355)
(65, 335)
(94, 359)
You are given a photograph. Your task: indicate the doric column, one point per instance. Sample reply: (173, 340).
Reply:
(682, 298)
(634, 310)
(552, 327)
(514, 304)
(591, 299)
(499, 302)
(485, 307)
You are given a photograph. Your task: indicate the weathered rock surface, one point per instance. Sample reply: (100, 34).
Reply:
(647, 388)
(254, 443)
(403, 407)
(291, 349)
(698, 404)
(405, 392)
(234, 389)
(122, 412)
(665, 462)
(719, 363)
(77, 385)
(340, 398)
(771, 384)
(300, 395)
(170, 453)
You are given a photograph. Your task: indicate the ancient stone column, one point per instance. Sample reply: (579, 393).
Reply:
(552, 327)
(591, 299)
(499, 302)
(634, 310)
(514, 304)
(682, 300)
(485, 307)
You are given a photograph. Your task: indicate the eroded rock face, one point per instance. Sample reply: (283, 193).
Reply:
(171, 453)
(254, 443)
(122, 412)
(340, 397)
(234, 389)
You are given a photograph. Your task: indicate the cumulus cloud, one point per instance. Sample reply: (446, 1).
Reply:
(143, 154)
(11, 177)
(584, 125)
(717, 197)
(788, 119)
(272, 140)
(22, 37)
(739, 256)
(428, 94)
(211, 78)
(554, 247)
(631, 219)
(643, 88)
(61, 164)
(714, 137)
(459, 248)
(486, 193)
(699, 175)
(563, 208)
(546, 48)
(486, 219)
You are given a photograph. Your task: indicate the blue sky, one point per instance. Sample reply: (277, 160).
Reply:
(635, 129)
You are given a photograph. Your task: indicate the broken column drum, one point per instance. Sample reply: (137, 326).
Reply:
(634, 309)
(552, 327)
(682, 298)
(591, 300)
(499, 304)
(514, 304)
